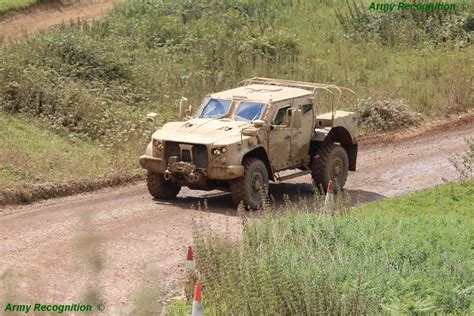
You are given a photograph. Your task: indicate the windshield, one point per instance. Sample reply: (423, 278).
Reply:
(214, 108)
(248, 111)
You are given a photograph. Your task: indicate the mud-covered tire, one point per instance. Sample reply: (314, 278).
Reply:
(252, 187)
(330, 163)
(159, 188)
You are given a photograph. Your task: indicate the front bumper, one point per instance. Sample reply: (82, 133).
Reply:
(225, 172)
(153, 164)
(213, 172)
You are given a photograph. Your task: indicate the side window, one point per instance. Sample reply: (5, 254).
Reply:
(307, 108)
(280, 116)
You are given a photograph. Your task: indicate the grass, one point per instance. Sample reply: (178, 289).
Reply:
(10, 5)
(407, 255)
(15, 5)
(33, 155)
(424, 77)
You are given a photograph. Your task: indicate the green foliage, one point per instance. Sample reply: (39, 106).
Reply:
(178, 307)
(12, 5)
(405, 27)
(406, 255)
(8, 5)
(81, 56)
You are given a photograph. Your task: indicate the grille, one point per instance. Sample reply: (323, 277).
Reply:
(186, 155)
(199, 153)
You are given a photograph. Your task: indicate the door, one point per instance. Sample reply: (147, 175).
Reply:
(300, 138)
(289, 147)
(280, 140)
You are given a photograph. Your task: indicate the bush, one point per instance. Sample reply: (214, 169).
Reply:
(83, 56)
(385, 115)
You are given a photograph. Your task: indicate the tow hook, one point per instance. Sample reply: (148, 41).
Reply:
(193, 177)
(167, 175)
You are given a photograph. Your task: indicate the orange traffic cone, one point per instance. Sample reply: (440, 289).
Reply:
(329, 203)
(197, 308)
(190, 274)
(189, 259)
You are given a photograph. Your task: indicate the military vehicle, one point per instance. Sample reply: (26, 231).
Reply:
(240, 139)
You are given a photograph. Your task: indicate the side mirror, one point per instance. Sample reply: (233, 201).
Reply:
(296, 118)
(184, 108)
(151, 117)
(258, 123)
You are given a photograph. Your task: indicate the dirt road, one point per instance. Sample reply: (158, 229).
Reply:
(122, 242)
(44, 15)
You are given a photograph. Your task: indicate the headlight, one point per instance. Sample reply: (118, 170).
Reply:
(158, 144)
(218, 151)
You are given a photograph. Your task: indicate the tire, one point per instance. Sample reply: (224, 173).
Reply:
(330, 163)
(160, 188)
(252, 187)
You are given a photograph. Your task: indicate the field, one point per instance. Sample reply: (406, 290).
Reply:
(407, 255)
(95, 81)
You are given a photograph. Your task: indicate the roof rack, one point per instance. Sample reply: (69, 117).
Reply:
(311, 86)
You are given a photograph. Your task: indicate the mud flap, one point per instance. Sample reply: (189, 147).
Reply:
(351, 150)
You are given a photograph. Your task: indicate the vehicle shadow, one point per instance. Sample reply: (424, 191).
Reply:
(220, 202)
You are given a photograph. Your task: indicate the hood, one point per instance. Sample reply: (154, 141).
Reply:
(202, 131)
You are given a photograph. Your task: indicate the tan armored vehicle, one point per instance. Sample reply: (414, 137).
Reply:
(241, 139)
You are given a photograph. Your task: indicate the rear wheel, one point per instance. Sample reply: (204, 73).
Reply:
(252, 187)
(330, 163)
(160, 188)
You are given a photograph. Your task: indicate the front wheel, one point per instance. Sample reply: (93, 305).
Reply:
(330, 163)
(252, 187)
(160, 188)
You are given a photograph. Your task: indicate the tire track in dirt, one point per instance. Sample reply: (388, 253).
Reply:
(53, 245)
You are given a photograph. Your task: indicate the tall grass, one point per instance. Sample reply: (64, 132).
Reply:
(406, 255)
(430, 28)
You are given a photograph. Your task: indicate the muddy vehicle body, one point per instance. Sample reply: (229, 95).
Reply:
(242, 138)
